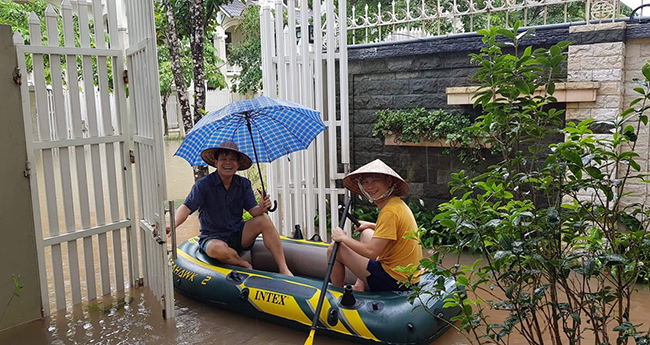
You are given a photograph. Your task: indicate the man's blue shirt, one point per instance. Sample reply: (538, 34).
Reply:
(220, 210)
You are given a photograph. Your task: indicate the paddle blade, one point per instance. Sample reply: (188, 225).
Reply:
(310, 338)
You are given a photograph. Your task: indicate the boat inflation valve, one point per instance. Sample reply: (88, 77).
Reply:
(235, 277)
(348, 300)
(410, 327)
(243, 294)
(332, 317)
(375, 306)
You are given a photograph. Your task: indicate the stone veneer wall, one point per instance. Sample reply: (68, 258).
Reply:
(416, 73)
(637, 54)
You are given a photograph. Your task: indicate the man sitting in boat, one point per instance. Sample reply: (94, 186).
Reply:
(220, 199)
(383, 246)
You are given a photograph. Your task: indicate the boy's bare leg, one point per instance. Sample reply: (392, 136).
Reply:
(337, 277)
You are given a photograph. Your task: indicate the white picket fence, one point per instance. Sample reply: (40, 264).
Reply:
(214, 99)
(305, 183)
(84, 112)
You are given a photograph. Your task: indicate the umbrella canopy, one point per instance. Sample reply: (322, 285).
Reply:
(277, 128)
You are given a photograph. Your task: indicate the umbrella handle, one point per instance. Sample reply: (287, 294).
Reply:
(275, 206)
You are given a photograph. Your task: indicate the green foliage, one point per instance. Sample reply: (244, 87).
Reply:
(17, 16)
(16, 293)
(562, 239)
(215, 79)
(419, 124)
(248, 53)
(181, 11)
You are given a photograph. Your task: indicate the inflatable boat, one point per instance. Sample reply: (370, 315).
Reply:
(262, 293)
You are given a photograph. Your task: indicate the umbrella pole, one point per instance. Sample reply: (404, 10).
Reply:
(259, 169)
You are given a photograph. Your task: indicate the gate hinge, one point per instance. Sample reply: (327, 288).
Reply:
(18, 78)
(125, 76)
(131, 157)
(28, 169)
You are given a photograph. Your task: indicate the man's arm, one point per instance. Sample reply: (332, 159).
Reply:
(182, 212)
(369, 250)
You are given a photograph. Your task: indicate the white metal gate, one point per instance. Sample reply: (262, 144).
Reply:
(306, 73)
(79, 157)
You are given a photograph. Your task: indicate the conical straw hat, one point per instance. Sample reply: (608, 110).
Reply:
(375, 167)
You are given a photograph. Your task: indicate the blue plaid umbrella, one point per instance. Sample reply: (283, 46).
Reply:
(263, 128)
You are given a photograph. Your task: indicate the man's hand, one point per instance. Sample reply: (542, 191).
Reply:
(265, 201)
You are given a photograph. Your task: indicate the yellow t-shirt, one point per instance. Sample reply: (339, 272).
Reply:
(393, 223)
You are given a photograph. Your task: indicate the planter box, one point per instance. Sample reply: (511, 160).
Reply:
(391, 141)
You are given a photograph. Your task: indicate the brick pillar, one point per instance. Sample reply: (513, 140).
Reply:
(597, 62)
(636, 56)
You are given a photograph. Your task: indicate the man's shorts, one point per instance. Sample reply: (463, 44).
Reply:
(379, 280)
(234, 242)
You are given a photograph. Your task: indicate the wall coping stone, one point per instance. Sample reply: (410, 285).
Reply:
(619, 31)
(564, 92)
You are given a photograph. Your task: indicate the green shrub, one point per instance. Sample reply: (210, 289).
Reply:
(561, 235)
(419, 124)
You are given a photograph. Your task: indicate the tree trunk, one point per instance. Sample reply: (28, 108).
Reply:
(165, 97)
(177, 71)
(197, 35)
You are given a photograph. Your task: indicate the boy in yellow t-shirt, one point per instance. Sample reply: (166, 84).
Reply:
(383, 246)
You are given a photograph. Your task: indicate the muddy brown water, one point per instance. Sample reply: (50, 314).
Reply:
(136, 317)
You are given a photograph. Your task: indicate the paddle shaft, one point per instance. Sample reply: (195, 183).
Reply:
(250, 131)
(352, 218)
(330, 264)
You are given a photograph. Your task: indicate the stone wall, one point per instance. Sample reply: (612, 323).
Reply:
(602, 61)
(405, 83)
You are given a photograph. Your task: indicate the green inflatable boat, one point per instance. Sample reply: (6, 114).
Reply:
(384, 317)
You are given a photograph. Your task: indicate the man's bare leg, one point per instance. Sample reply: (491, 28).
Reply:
(219, 250)
(263, 225)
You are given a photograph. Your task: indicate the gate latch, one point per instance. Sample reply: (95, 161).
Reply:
(28, 170)
(18, 78)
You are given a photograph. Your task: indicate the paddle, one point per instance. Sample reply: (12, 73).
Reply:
(323, 290)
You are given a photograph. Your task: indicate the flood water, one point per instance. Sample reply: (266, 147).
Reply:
(136, 317)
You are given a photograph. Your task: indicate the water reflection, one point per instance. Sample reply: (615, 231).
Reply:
(138, 322)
